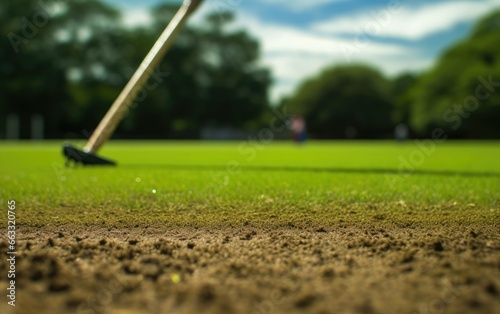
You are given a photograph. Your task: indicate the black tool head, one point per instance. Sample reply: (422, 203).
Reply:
(78, 156)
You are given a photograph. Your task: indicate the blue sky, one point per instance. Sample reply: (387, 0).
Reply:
(300, 37)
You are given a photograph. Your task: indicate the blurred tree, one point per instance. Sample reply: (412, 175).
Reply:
(401, 86)
(47, 55)
(461, 94)
(209, 79)
(345, 101)
(88, 47)
(68, 61)
(237, 93)
(30, 84)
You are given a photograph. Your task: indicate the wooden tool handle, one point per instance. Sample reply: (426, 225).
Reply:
(110, 121)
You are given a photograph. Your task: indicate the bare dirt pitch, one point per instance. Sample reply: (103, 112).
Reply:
(341, 268)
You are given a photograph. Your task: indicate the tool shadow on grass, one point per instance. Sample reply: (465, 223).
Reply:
(387, 171)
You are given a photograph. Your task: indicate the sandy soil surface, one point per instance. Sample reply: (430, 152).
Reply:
(255, 269)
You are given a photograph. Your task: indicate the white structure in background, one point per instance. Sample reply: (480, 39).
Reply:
(37, 127)
(401, 132)
(12, 126)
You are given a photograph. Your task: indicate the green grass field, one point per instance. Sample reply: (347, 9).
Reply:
(232, 182)
(205, 227)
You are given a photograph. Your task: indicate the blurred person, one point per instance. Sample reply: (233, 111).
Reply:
(298, 127)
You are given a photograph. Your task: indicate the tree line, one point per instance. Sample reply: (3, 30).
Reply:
(68, 60)
(460, 94)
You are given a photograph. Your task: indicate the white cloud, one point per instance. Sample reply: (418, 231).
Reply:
(296, 53)
(408, 22)
(293, 54)
(136, 16)
(300, 5)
